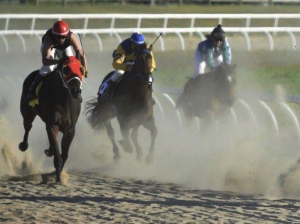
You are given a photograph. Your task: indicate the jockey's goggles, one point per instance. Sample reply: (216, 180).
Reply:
(138, 47)
(219, 39)
(60, 37)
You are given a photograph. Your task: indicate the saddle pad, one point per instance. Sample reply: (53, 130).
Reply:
(35, 102)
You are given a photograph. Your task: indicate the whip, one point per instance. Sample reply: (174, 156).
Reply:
(84, 58)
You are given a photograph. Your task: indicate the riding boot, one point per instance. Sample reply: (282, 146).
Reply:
(31, 95)
(109, 91)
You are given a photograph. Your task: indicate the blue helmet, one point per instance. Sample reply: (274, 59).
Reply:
(137, 38)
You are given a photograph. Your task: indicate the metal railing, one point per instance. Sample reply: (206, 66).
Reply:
(268, 31)
(140, 17)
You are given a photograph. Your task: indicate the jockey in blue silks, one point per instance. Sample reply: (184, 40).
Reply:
(212, 52)
(123, 60)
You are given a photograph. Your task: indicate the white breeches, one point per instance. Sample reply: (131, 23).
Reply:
(199, 63)
(55, 54)
(117, 74)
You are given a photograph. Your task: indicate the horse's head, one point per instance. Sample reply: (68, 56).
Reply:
(143, 64)
(72, 74)
(226, 83)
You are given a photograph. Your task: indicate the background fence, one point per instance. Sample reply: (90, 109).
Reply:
(195, 24)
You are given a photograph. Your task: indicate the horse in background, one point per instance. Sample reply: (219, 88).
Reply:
(132, 104)
(210, 95)
(59, 105)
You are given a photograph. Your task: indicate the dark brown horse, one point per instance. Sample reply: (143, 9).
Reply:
(210, 95)
(59, 107)
(132, 104)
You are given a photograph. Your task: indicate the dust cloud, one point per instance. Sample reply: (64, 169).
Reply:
(248, 156)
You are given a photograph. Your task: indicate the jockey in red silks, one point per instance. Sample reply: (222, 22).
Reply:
(123, 60)
(56, 42)
(213, 51)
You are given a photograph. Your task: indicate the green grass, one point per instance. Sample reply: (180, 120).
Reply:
(46, 7)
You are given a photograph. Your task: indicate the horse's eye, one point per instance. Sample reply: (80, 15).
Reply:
(65, 70)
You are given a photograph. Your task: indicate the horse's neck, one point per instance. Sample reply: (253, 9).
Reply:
(56, 84)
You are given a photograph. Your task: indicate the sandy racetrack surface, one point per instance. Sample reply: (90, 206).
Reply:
(94, 198)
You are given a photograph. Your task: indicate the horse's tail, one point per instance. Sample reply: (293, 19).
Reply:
(95, 114)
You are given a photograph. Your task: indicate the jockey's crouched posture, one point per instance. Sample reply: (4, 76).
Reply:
(55, 43)
(213, 51)
(123, 60)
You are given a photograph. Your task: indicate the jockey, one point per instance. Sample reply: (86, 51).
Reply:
(213, 51)
(56, 42)
(123, 60)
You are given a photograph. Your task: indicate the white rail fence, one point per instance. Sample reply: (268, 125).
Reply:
(113, 31)
(178, 31)
(140, 17)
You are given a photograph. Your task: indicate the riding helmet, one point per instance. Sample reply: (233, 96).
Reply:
(137, 38)
(218, 33)
(60, 28)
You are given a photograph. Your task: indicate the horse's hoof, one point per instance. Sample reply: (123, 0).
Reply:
(149, 159)
(48, 152)
(23, 146)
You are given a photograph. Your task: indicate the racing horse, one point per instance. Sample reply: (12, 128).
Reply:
(132, 104)
(210, 95)
(59, 105)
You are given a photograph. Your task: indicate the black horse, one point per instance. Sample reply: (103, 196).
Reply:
(210, 95)
(131, 103)
(59, 107)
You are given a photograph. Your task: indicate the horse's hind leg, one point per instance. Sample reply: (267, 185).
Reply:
(150, 125)
(134, 137)
(65, 146)
(28, 119)
(111, 134)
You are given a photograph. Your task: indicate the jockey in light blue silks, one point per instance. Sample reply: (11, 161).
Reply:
(212, 52)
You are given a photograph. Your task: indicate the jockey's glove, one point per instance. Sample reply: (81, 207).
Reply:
(86, 75)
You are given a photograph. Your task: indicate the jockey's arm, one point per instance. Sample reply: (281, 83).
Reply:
(77, 47)
(226, 53)
(153, 63)
(119, 57)
(209, 59)
(46, 52)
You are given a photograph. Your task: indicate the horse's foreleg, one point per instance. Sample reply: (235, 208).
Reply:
(150, 125)
(65, 146)
(125, 142)
(27, 123)
(111, 134)
(52, 132)
(134, 137)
